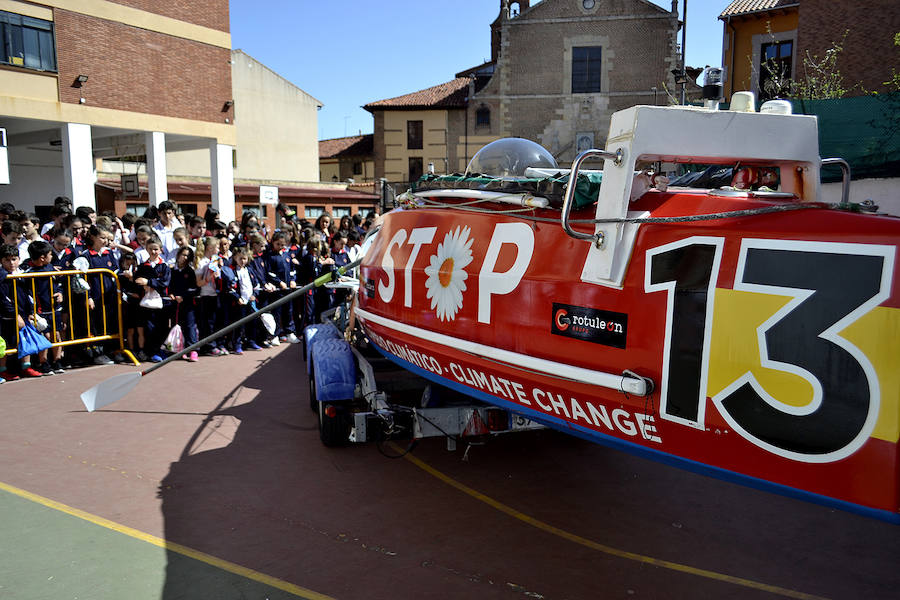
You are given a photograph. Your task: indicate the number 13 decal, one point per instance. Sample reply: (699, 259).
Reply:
(832, 285)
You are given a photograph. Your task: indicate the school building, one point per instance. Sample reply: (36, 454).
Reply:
(95, 93)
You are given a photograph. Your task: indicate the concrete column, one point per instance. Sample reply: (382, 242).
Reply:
(78, 164)
(222, 180)
(156, 167)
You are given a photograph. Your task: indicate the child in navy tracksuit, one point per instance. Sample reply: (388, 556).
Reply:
(208, 271)
(315, 263)
(184, 289)
(154, 274)
(63, 252)
(257, 268)
(242, 298)
(226, 292)
(48, 303)
(102, 299)
(281, 274)
(131, 310)
(13, 298)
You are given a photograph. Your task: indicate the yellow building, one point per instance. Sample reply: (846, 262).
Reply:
(85, 81)
(786, 32)
(756, 31)
(347, 158)
(422, 130)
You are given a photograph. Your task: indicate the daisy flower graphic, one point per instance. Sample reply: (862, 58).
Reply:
(446, 273)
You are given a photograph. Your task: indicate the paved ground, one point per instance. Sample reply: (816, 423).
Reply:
(209, 481)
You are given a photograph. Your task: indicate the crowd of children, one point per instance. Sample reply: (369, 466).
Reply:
(196, 272)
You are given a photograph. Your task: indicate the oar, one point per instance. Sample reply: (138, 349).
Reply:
(108, 391)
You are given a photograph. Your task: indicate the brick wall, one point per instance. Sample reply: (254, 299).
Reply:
(209, 13)
(869, 51)
(138, 70)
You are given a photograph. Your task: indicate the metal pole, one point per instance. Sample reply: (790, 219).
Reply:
(254, 315)
(683, 49)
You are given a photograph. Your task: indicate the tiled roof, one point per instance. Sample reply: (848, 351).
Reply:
(743, 7)
(355, 145)
(446, 95)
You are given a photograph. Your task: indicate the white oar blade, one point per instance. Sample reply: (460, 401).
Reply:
(108, 391)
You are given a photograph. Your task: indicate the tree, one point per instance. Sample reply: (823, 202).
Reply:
(821, 79)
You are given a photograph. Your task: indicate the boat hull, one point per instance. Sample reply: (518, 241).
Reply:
(771, 342)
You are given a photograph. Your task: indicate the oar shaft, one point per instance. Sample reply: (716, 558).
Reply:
(319, 282)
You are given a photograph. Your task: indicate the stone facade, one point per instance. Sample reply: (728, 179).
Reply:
(530, 94)
(526, 88)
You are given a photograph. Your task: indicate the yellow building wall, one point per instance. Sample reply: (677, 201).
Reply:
(29, 10)
(476, 143)
(34, 86)
(368, 172)
(434, 142)
(329, 168)
(276, 127)
(739, 75)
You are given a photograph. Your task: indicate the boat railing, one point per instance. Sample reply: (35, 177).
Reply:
(569, 199)
(845, 176)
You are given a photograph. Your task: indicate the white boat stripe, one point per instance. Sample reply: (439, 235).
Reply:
(612, 381)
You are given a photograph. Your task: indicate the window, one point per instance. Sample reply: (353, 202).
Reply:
(137, 209)
(586, 69)
(27, 42)
(253, 209)
(188, 208)
(483, 117)
(415, 168)
(313, 212)
(357, 168)
(775, 68)
(414, 135)
(339, 211)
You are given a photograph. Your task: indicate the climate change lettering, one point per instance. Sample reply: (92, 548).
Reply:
(616, 421)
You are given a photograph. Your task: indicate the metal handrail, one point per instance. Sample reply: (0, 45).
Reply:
(569, 198)
(845, 176)
(54, 332)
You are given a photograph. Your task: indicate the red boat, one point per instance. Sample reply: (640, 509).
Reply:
(750, 332)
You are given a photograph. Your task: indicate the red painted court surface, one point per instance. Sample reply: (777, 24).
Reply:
(209, 481)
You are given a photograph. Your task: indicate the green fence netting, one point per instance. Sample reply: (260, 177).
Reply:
(863, 130)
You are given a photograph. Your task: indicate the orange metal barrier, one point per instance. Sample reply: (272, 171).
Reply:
(73, 304)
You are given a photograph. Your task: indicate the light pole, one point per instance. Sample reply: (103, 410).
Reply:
(683, 50)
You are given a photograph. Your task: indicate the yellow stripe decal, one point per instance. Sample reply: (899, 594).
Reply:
(156, 541)
(657, 562)
(735, 350)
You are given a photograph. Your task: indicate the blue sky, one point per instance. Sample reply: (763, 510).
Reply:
(352, 52)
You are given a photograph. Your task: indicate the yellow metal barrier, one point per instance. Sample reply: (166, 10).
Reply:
(81, 300)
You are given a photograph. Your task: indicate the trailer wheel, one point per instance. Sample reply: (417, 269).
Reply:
(334, 429)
